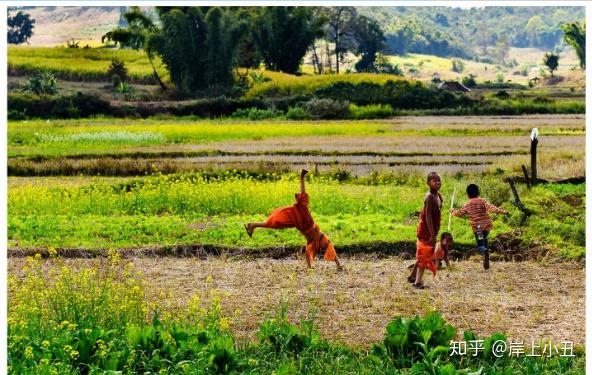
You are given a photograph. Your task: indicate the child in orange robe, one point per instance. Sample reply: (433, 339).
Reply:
(298, 216)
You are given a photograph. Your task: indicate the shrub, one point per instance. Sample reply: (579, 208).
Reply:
(117, 72)
(458, 66)
(60, 106)
(502, 94)
(297, 113)
(469, 81)
(41, 83)
(254, 114)
(499, 77)
(373, 111)
(327, 109)
(410, 340)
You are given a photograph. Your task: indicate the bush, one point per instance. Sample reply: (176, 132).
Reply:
(254, 114)
(370, 111)
(398, 94)
(469, 81)
(60, 106)
(327, 109)
(117, 72)
(458, 66)
(297, 113)
(41, 83)
(410, 340)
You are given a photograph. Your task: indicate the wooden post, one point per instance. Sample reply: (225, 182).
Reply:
(526, 179)
(534, 134)
(525, 211)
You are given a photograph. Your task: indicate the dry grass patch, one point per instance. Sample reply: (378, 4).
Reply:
(526, 300)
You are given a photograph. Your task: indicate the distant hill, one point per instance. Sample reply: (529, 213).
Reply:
(441, 31)
(57, 25)
(468, 32)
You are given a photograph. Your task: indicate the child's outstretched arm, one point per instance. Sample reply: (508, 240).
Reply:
(302, 176)
(491, 208)
(459, 213)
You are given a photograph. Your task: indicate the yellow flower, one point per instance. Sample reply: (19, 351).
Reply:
(44, 361)
(37, 256)
(45, 343)
(74, 354)
(28, 352)
(209, 279)
(53, 253)
(237, 312)
(224, 324)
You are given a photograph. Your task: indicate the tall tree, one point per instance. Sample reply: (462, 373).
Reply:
(575, 36)
(197, 44)
(551, 60)
(340, 29)
(284, 34)
(370, 40)
(20, 27)
(135, 34)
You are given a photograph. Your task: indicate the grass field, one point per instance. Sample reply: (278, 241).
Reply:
(406, 144)
(141, 189)
(81, 64)
(422, 67)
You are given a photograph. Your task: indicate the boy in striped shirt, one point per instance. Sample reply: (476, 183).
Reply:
(477, 208)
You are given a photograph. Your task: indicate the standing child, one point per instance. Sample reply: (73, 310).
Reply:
(477, 208)
(298, 216)
(427, 231)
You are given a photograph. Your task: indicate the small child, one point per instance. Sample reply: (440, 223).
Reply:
(442, 248)
(440, 252)
(298, 216)
(477, 208)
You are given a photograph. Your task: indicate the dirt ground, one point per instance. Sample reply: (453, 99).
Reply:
(526, 300)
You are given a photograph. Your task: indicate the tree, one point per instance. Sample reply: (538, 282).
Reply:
(370, 40)
(284, 34)
(551, 60)
(575, 36)
(197, 44)
(20, 28)
(339, 30)
(134, 35)
(502, 49)
(532, 30)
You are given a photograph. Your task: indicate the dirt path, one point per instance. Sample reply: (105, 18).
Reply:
(526, 300)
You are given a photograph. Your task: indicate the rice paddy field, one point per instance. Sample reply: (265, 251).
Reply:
(141, 218)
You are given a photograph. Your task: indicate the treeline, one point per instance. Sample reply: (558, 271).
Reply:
(202, 46)
(447, 31)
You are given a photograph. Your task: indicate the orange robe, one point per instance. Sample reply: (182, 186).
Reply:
(298, 216)
(425, 256)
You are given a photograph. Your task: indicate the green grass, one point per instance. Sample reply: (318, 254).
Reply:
(70, 137)
(193, 209)
(282, 84)
(81, 63)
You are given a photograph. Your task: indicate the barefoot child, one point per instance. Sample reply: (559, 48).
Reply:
(298, 216)
(442, 248)
(477, 208)
(427, 230)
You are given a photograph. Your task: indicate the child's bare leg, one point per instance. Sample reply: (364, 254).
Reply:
(419, 276)
(411, 277)
(302, 176)
(339, 267)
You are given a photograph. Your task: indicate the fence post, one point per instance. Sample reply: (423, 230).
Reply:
(534, 140)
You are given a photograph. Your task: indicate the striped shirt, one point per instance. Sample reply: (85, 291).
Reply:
(477, 209)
